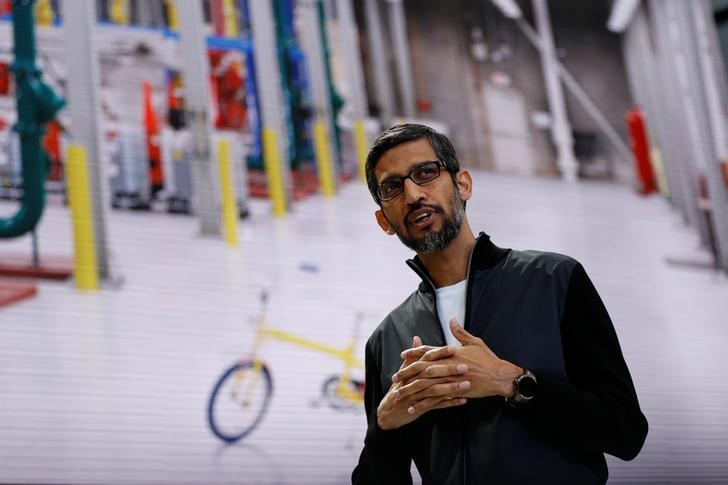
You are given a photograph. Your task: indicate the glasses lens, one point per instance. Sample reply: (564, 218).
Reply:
(426, 172)
(422, 174)
(390, 188)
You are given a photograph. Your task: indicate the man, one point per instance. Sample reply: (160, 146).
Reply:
(503, 366)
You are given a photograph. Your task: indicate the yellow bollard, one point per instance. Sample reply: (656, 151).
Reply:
(172, 18)
(230, 16)
(360, 138)
(229, 213)
(274, 174)
(326, 172)
(44, 13)
(119, 12)
(84, 261)
(658, 168)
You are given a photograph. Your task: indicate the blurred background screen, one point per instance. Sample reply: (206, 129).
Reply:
(190, 265)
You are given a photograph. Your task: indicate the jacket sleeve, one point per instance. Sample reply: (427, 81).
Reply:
(598, 410)
(385, 458)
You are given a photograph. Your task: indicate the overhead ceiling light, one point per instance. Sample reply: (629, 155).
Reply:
(509, 8)
(622, 13)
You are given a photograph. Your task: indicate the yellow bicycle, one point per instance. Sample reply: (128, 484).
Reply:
(243, 392)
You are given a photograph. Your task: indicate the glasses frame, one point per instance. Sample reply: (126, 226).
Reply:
(437, 163)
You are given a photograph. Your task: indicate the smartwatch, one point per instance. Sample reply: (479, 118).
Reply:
(524, 389)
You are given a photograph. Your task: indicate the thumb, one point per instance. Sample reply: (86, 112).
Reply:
(462, 335)
(416, 341)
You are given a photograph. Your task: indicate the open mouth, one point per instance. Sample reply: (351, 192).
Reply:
(422, 217)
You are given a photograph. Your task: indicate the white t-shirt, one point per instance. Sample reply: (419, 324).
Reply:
(451, 303)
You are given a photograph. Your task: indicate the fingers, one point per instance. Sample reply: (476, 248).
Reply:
(432, 353)
(408, 371)
(428, 370)
(463, 336)
(424, 388)
(435, 403)
(436, 371)
(449, 403)
(438, 353)
(416, 353)
(416, 343)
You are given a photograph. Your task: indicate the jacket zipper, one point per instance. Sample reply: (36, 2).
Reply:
(463, 414)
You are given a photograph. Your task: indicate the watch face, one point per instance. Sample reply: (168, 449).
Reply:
(527, 386)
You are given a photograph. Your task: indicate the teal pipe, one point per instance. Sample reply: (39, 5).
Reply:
(283, 44)
(37, 104)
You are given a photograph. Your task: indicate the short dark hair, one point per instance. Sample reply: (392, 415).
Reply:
(403, 133)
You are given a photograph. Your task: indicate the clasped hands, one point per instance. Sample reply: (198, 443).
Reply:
(442, 377)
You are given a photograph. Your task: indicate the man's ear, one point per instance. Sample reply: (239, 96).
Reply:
(464, 183)
(383, 222)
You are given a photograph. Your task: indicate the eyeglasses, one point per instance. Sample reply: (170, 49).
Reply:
(421, 174)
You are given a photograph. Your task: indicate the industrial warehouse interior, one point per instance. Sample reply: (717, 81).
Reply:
(190, 262)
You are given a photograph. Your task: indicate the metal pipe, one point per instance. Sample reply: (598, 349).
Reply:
(560, 126)
(350, 34)
(622, 14)
(581, 96)
(36, 105)
(84, 95)
(714, 91)
(196, 72)
(268, 81)
(323, 132)
(403, 62)
(378, 55)
(349, 38)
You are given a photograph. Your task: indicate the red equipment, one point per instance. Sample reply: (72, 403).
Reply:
(154, 153)
(6, 7)
(5, 79)
(641, 149)
(227, 79)
(52, 147)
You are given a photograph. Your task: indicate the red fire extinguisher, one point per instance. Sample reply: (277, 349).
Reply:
(156, 175)
(641, 150)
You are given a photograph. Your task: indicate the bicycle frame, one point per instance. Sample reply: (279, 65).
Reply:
(247, 384)
(346, 354)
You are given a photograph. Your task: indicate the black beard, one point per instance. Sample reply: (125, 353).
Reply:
(433, 242)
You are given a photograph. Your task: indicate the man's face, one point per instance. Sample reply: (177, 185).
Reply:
(427, 217)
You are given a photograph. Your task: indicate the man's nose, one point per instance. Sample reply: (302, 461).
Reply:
(412, 192)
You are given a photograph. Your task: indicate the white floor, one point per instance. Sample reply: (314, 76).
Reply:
(112, 387)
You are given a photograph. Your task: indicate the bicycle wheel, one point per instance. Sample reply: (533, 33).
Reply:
(239, 400)
(331, 394)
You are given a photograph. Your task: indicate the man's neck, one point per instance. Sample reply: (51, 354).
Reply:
(450, 265)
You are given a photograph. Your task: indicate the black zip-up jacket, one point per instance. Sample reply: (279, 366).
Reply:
(537, 310)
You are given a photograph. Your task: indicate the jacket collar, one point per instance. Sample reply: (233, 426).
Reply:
(485, 255)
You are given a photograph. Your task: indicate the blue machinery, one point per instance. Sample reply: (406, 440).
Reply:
(37, 103)
(294, 84)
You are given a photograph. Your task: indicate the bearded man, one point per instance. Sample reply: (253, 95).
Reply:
(503, 366)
